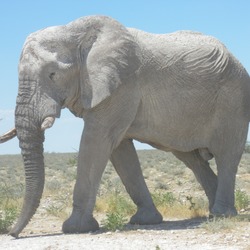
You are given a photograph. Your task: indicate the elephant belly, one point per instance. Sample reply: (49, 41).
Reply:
(167, 133)
(167, 141)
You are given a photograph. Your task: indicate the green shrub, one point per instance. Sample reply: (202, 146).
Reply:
(9, 195)
(119, 206)
(73, 161)
(163, 199)
(114, 221)
(7, 216)
(119, 203)
(242, 200)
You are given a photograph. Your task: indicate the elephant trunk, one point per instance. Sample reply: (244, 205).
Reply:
(34, 176)
(31, 139)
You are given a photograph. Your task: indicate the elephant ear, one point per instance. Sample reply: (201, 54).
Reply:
(109, 62)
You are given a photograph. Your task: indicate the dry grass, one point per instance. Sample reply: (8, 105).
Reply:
(224, 224)
(174, 189)
(182, 211)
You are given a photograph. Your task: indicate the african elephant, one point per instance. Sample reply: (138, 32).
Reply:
(182, 92)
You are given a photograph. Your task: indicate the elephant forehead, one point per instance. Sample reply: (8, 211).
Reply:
(48, 45)
(33, 58)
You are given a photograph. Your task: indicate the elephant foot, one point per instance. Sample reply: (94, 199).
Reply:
(146, 216)
(78, 223)
(222, 211)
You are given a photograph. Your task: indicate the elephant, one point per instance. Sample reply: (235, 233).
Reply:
(181, 92)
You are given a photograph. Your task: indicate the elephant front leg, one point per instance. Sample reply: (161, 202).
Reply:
(126, 163)
(93, 157)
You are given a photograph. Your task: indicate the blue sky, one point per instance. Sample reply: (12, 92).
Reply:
(227, 20)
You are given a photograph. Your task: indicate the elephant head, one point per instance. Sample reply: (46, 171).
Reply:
(75, 66)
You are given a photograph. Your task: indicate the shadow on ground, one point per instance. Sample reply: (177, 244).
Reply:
(171, 225)
(165, 225)
(185, 224)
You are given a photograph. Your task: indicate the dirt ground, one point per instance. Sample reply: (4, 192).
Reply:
(44, 230)
(45, 234)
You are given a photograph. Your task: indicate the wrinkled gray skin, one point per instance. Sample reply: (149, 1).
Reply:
(181, 92)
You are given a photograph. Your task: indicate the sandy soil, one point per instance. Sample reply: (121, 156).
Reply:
(187, 234)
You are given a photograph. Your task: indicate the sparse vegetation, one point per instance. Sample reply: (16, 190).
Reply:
(118, 207)
(242, 200)
(218, 224)
(114, 221)
(9, 204)
(8, 215)
(163, 198)
(171, 184)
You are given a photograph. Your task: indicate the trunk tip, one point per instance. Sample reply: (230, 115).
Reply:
(14, 234)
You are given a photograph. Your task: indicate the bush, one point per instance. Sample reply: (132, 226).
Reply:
(7, 216)
(242, 200)
(119, 206)
(119, 203)
(9, 195)
(114, 221)
(163, 199)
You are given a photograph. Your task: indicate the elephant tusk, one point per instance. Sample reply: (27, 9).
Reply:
(47, 123)
(8, 136)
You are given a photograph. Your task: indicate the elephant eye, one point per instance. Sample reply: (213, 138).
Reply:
(52, 76)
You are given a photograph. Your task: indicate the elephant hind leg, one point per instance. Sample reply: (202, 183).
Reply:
(126, 163)
(227, 165)
(227, 150)
(202, 171)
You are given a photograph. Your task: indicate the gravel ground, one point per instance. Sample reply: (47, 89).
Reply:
(179, 234)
